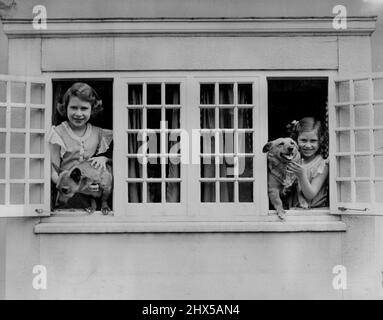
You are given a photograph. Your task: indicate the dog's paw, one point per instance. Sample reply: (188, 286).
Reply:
(281, 214)
(90, 210)
(105, 210)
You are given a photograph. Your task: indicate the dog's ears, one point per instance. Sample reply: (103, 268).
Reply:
(57, 168)
(76, 175)
(267, 147)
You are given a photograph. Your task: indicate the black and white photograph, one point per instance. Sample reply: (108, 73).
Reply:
(182, 150)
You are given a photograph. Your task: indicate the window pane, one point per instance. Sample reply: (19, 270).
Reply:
(343, 116)
(17, 142)
(226, 93)
(2, 168)
(2, 142)
(378, 163)
(135, 143)
(343, 167)
(154, 93)
(36, 193)
(378, 114)
(343, 141)
(208, 192)
(362, 166)
(207, 118)
(226, 142)
(37, 93)
(134, 118)
(172, 94)
(207, 94)
(2, 193)
(17, 118)
(172, 118)
(17, 191)
(245, 93)
(17, 168)
(154, 168)
(226, 191)
(207, 143)
(245, 142)
(3, 117)
(135, 94)
(226, 118)
(362, 115)
(153, 118)
(18, 92)
(245, 191)
(362, 190)
(37, 118)
(154, 142)
(3, 91)
(134, 167)
(207, 167)
(245, 167)
(173, 192)
(245, 118)
(379, 191)
(135, 192)
(154, 192)
(362, 140)
(378, 89)
(226, 167)
(361, 90)
(37, 143)
(343, 91)
(36, 168)
(344, 191)
(173, 143)
(173, 168)
(378, 140)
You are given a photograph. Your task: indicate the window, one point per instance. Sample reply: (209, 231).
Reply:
(356, 117)
(104, 120)
(188, 146)
(227, 147)
(24, 158)
(293, 99)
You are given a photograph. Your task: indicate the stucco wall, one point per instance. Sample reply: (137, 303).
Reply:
(192, 265)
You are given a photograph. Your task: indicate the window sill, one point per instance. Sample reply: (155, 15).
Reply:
(111, 227)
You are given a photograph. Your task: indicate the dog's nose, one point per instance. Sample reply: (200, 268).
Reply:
(65, 190)
(290, 148)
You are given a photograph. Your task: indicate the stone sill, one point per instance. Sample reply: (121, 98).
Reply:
(187, 227)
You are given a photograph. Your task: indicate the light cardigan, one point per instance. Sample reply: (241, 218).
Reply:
(74, 149)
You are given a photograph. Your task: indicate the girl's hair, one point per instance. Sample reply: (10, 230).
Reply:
(295, 128)
(84, 92)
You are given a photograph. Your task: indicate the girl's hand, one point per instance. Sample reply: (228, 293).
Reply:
(297, 169)
(99, 162)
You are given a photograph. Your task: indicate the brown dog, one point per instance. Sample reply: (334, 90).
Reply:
(280, 153)
(79, 179)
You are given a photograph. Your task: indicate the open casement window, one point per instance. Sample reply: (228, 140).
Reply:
(152, 120)
(24, 155)
(226, 180)
(356, 132)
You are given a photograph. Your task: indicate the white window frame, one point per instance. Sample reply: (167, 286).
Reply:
(27, 209)
(190, 79)
(353, 207)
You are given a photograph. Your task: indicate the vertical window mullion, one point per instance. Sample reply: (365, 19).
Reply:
(371, 134)
(352, 141)
(27, 144)
(8, 146)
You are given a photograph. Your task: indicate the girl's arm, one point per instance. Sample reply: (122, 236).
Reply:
(309, 190)
(55, 160)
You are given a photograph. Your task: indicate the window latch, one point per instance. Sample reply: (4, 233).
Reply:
(39, 211)
(351, 209)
